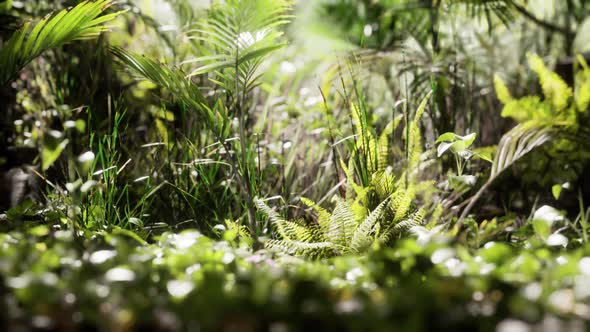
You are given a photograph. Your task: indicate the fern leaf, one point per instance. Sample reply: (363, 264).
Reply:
(415, 140)
(555, 90)
(300, 248)
(400, 204)
(284, 230)
(414, 219)
(362, 235)
(342, 224)
(323, 215)
(501, 90)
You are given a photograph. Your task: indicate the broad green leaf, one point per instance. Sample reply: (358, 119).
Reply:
(443, 147)
(446, 137)
(52, 149)
(556, 190)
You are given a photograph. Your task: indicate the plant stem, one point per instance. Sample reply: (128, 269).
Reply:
(472, 202)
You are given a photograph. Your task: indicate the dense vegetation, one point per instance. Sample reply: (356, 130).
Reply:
(241, 165)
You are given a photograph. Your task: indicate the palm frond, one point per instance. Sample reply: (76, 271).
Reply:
(513, 146)
(170, 78)
(487, 9)
(236, 36)
(81, 22)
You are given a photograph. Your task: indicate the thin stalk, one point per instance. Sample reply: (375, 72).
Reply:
(338, 174)
(472, 202)
(244, 171)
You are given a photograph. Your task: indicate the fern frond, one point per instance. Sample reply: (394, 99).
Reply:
(400, 204)
(300, 248)
(394, 229)
(502, 91)
(384, 183)
(323, 214)
(362, 235)
(351, 186)
(555, 90)
(342, 224)
(383, 142)
(415, 138)
(81, 22)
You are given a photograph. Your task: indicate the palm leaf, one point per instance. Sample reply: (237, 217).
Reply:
(170, 78)
(236, 36)
(514, 145)
(81, 22)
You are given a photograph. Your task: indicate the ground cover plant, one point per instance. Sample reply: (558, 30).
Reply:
(242, 165)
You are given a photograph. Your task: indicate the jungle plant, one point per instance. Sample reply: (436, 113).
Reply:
(378, 204)
(232, 43)
(348, 229)
(82, 22)
(460, 147)
(559, 118)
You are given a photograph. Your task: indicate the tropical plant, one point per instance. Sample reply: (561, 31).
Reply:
(82, 22)
(558, 118)
(232, 43)
(378, 204)
(349, 229)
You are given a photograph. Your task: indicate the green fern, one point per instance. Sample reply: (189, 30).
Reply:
(350, 228)
(556, 118)
(558, 104)
(379, 204)
(81, 22)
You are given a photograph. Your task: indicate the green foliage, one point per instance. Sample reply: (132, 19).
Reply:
(82, 22)
(376, 209)
(232, 42)
(192, 279)
(210, 124)
(348, 229)
(558, 105)
(236, 36)
(555, 119)
(172, 79)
